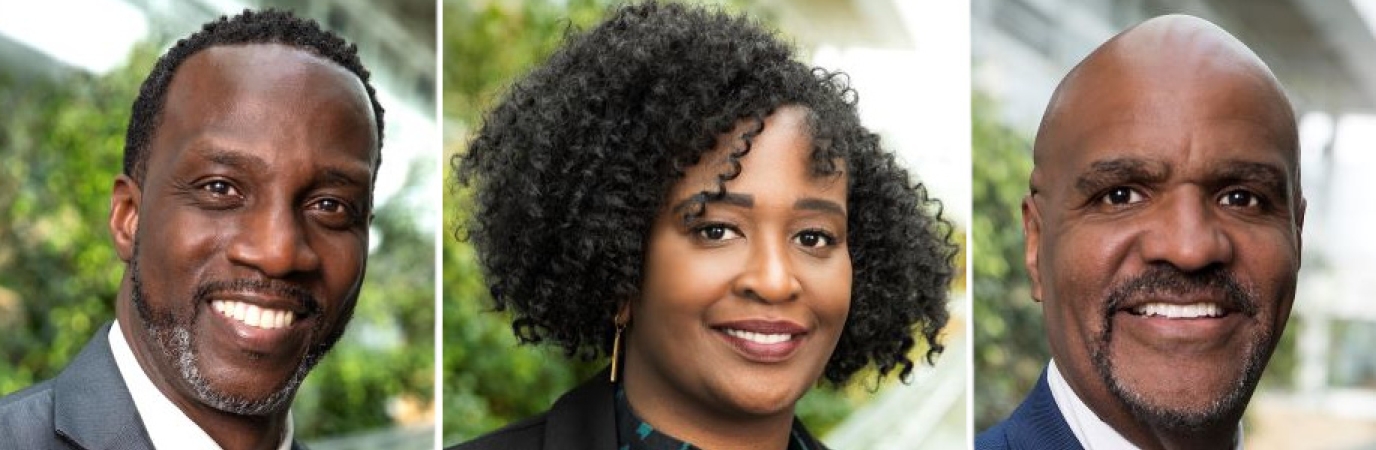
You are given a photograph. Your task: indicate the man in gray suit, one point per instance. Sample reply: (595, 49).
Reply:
(242, 217)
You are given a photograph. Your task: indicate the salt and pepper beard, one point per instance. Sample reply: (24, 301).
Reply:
(174, 339)
(1167, 279)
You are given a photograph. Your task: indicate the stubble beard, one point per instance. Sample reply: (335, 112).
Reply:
(175, 339)
(1221, 411)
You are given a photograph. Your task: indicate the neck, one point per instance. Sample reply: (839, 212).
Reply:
(686, 417)
(230, 431)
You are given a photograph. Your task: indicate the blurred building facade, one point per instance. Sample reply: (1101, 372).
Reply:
(1321, 50)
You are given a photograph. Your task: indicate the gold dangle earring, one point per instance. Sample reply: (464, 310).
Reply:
(616, 350)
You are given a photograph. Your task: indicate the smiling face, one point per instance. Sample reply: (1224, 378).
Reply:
(246, 240)
(742, 305)
(1163, 232)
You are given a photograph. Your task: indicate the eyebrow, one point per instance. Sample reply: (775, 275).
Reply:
(234, 159)
(340, 177)
(748, 201)
(704, 197)
(817, 204)
(1116, 171)
(1255, 172)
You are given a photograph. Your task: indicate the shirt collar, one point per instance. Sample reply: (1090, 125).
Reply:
(1092, 432)
(167, 425)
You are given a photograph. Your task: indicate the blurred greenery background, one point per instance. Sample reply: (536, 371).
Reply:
(62, 142)
(489, 380)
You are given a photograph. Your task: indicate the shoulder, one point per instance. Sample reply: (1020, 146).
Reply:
(1036, 424)
(26, 416)
(995, 438)
(525, 434)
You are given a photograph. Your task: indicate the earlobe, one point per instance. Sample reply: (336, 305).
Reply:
(1032, 230)
(124, 215)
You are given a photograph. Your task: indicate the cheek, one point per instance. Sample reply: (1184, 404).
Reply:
(178, 246)
(830, 287)
(685, 281)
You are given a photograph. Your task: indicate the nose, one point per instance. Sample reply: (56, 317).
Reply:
(1187, 233)
(769, 275)
(272, 240)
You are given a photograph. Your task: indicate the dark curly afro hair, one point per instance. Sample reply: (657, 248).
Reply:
(249, 27)
(570, 170)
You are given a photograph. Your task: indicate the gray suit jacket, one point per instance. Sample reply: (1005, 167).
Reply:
(86, 407)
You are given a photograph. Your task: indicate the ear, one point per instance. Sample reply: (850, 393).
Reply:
(124, 215)
(1032, 229)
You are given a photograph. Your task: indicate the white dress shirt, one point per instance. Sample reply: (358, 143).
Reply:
(1092, 432)
(167, 425)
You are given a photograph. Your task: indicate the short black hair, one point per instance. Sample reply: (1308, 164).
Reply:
(249, 27)
(571, 168)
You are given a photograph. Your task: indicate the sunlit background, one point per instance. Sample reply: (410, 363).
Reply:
(909, 61)
(1320, 389)
(69, 72)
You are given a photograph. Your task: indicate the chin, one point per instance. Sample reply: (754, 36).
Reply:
(764, 397)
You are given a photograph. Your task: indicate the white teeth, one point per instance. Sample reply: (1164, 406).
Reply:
(1172, 311)
(254, 315)
(760, 338)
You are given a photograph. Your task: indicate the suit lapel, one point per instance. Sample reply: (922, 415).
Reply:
(91, 405)
(1038, 422)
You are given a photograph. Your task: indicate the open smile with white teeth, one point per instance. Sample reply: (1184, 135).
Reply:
(759, 338)
(1173, 311)
(254, 315)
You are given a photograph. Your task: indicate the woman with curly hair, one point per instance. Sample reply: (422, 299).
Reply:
(672, 189)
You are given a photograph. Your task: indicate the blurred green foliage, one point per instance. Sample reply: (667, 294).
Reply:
(1011, 348)
(489, 380)
(62, 142)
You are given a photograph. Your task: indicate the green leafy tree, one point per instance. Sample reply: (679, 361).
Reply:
(1011, 348)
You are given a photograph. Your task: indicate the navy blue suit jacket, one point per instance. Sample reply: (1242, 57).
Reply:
(1036, 425)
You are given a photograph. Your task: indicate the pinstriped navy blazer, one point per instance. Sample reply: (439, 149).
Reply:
(1036, 425)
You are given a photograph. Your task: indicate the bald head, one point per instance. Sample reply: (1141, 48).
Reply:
(1166, 179)
(1157, 71)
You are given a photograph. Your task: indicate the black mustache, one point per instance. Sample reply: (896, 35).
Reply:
(1165, 279)
(273, 288)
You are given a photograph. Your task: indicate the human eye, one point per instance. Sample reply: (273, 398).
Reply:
(1121, 196)
(1240, 198)
(219, 188)
(215, 194)
(715, 232)
(814, 239)
(334, 212)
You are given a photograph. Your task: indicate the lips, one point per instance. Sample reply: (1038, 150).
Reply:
(763, 341)
(260, 318)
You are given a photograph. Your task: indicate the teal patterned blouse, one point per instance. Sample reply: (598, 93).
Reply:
(635, 434)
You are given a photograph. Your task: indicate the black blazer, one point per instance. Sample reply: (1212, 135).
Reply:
(1036, 425)
(86, 407)
(582, 419)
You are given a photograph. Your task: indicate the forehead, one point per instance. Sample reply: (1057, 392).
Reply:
(267, 92)
(1179, 113)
